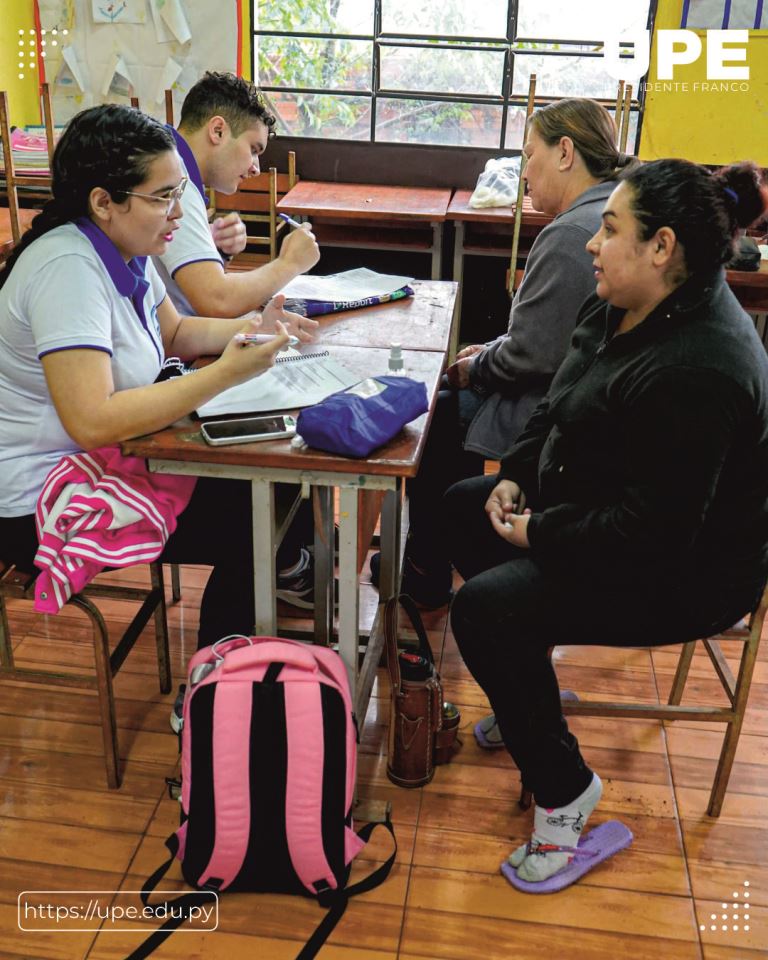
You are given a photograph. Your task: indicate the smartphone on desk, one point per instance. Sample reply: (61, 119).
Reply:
(247, 429)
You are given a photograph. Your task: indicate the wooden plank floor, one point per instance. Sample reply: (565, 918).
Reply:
(61, 829)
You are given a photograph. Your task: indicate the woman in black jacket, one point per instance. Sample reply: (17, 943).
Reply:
(633, 509)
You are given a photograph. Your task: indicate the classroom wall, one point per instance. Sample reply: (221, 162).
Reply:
(708, 127)
(22, 94)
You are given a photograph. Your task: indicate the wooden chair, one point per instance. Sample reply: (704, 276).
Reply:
(20, 586)
(256, 202)
(736, 690)
(168, 106)
(14, 220)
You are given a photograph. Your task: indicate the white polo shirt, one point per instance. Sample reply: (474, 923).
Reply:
(192, 242)
(70, 289)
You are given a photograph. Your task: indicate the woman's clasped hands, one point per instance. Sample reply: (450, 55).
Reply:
(508, 514)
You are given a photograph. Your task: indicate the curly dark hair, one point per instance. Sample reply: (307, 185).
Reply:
(704, 209)
(237, 100)
(107, 146)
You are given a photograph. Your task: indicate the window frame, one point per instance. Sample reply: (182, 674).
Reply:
(506, 99)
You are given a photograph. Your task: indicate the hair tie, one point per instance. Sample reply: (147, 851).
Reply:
(732, 194)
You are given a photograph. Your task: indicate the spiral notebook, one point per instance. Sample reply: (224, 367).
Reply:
(296, 380)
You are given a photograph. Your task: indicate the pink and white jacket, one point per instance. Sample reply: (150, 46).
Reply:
(101, 509)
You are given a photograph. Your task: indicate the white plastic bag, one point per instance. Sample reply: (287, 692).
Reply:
(497, 184)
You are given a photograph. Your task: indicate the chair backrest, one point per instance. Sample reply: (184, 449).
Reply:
(168, 106)
(256, 202)
(9, 169)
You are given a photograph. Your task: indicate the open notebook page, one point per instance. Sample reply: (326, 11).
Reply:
(296, 380)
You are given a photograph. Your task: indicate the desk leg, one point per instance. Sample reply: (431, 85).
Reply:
(349, 600)
(458, 276)
(437, 250)
(264, 549)
(324, 557)
(389, 539)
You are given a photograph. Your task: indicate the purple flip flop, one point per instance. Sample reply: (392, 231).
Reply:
(482, 728)
(594, 847)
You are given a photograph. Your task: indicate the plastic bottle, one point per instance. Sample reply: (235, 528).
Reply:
(396, 367)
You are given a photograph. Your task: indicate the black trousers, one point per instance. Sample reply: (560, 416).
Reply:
(443, 463)
(214, 530)
(509, 612)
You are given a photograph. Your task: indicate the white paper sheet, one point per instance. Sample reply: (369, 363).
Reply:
(167, 78)
(119, 11)
(117, 79)
(162, 33)
(290, 384)
(70, 65)
(56, 14)
(344, 287)
(173, 14)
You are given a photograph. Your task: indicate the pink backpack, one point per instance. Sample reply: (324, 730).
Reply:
(268, 765)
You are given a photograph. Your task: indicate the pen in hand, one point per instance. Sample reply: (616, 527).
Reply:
(290, 221)
(246, 338)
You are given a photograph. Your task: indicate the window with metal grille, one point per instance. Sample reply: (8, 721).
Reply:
(447, 72)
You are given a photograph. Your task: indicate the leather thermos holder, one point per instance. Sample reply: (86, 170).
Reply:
(418, 736)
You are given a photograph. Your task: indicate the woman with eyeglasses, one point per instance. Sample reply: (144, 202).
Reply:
(85, 327)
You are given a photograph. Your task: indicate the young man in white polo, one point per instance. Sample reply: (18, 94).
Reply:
(224, 128)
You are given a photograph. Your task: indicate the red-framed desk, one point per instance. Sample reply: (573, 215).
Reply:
(386, 208)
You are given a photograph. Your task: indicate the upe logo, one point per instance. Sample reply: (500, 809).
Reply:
(675, 48)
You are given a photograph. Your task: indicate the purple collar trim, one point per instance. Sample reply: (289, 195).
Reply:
(129, 278)
(193, 171)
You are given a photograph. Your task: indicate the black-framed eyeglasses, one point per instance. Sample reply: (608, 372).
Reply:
(169, 198)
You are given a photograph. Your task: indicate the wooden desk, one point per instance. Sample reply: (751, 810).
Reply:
(751, 287)
(426, 321)
(494, 237)
(6, 234)
(371, 202)
(181, 450)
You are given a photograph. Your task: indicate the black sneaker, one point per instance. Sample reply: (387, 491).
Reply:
(299, 589)
(177, 713)
(429, 590)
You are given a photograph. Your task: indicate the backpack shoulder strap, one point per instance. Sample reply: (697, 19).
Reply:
(178, 917)
(336, 900)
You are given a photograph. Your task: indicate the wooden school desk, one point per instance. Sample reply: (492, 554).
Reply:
(385, 205)
(750, 287)
(426, 321)
(487, 231)
(181, 449)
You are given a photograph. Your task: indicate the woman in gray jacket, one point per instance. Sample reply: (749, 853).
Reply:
(492, 389)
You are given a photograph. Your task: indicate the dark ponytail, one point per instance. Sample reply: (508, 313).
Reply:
(705, 210)
(107, 146)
